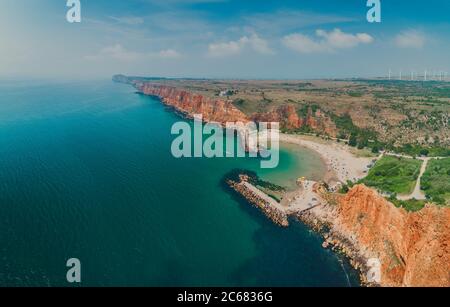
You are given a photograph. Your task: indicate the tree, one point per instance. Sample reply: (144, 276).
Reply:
(344, 189)
(375, 149)
(424, 152)
(353, 141)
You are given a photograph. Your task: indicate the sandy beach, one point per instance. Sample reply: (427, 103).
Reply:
(342, 165)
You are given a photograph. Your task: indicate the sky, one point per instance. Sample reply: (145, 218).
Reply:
(261, 39)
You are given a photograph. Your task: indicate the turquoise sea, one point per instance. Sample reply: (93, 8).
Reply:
(86, 172)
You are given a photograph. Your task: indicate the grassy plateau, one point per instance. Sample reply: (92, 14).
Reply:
(394, 175)
(436, 181)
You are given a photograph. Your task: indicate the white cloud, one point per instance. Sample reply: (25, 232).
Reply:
(410, 39)
(304, 44)
(119, 53)
(254, 42)
(225, 49)
(339, 39)
(259, 45)
(325, 41)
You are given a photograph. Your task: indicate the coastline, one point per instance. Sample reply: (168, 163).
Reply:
(358, 224)
(342, 165)
(323, 220)
(337, 159)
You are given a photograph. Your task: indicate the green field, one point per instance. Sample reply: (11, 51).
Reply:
(436, 181)
(394, 175)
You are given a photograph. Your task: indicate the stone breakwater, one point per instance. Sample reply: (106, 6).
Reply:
(268, 206)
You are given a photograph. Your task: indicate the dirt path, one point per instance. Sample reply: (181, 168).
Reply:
(417, 193)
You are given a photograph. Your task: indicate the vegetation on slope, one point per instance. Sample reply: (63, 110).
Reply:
(394, 175)
(412, 205)
(436, 181)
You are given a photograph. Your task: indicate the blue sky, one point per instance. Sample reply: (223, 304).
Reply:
(222, 38)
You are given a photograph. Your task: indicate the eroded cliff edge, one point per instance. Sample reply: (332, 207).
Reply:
(412, 247)
(217, 109)
(188, 103)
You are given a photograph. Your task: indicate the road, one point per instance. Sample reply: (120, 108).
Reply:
(417, 193)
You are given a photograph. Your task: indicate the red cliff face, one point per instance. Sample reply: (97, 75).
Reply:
(213, 110)
(321, 122)
(219, 110)
(413, 247)
(289, 119)
(285, 115)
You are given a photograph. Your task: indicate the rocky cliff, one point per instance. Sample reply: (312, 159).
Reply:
(289, 119)
(221, 110)
(413, 247)
(213, 110)
(122, 79)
